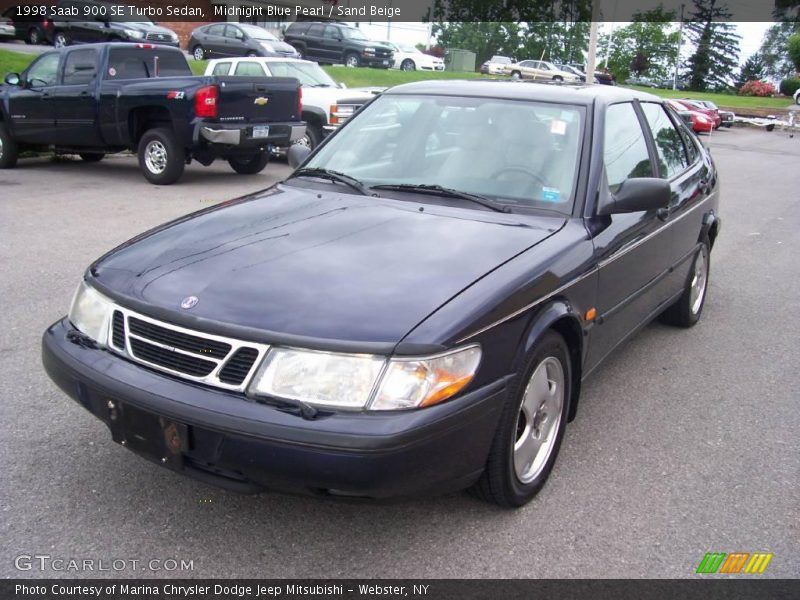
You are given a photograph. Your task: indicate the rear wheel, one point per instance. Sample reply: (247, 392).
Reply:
(249, 165)
(558, 78)
(161, 158)
(198, 53)
(516, 75)
(91, 157)
(8, 149)
(408, 65)
(312, 137)
(531, 426)
(686, 311)
(352, 60)
(33, 37)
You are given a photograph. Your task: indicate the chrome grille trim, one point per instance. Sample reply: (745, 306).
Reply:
(212, 378)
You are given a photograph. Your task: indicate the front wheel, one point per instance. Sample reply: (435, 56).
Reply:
(408, 65)
(516, 75)
(91, 157)
(198, 53)
(352, 60)
(161, 158)
(249, 165)
(531, 426)
(558, 78)
(8, 149)
(60, 40)
(686, 310)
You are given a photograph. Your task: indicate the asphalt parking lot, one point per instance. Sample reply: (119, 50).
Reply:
(686, 442)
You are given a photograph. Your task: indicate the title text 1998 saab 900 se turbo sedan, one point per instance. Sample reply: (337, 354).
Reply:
(414, 309)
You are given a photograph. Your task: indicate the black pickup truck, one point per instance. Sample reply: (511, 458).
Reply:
(118, 96)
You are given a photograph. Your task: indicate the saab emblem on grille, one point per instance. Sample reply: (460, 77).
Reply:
(261, 101)
(189, 302)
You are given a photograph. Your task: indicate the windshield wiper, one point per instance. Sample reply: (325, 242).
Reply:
(445, 191)
(335, 176)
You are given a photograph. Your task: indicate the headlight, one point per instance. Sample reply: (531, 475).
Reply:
(90, 312)
(133, 33)
(369, 50)
(417, 382)
(360, 381)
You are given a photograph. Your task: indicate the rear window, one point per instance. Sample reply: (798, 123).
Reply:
(297, 28)
(140, 63)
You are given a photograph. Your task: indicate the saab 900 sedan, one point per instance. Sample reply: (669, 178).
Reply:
(414, 309)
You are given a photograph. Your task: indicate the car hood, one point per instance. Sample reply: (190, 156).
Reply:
(146, 28)
(323, 97)
(322, 266)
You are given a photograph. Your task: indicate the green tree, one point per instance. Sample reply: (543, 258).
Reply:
(773, 49)
(716, 44)
(753, 69)
(484, 38)
(793, 48)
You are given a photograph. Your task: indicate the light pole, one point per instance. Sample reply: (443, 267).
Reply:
(678, 58)
(591, 58)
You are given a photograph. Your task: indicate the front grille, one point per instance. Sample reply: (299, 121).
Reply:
(238, 366)
(164, 357)
(211, 359)
(159, 37)
(189, 343)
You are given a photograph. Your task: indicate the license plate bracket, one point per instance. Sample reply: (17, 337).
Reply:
(260, 132)
(154, 437)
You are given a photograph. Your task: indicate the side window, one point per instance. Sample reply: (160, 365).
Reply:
(315, 31)
(80, 67)
(216, 30)
(624, 147)
(43, 72)
(331, 33)
(669, 144)
(231, 31)
(249, 69)
(221, 68)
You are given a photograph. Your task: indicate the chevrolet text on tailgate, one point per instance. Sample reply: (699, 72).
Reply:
(92, 100)
(414, 309)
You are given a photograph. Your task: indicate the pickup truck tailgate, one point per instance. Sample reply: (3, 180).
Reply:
(258, 99)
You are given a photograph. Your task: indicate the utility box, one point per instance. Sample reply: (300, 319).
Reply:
(456, 59)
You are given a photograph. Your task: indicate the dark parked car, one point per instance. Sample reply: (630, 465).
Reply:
(29, 25)
(337, 43)
(398, 317)
(141, 97)
(236, 39)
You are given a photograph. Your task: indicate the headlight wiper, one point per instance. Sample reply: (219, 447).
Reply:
(333, 176)
(445, 191)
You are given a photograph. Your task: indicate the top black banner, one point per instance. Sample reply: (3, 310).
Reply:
(512, 11)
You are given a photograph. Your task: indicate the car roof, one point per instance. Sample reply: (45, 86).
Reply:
(521, 90)
(265, 59)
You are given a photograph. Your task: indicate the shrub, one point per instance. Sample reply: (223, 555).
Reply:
(757, 88)
(789, 86)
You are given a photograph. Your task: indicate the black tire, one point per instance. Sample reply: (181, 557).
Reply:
(558, 78)
(60, 39)
(252, 54)
(352, 60)
(198, 53)
(516, 75)
(685, 311)
(33, 37)
(9, 153)
(312, 138)
(301, 53)
(499, 482)
(249, 165)
(92, 157)
(157, 169)
(408, 65)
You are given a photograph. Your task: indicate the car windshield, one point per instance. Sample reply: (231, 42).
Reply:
(353, 34)
(257, 33)
(521, 154)
(407, 48)
(309, 74)
(502, 60)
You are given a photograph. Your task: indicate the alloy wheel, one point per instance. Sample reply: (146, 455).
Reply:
(198, 53)
(699, 281)
(155, 157)
(60, 41)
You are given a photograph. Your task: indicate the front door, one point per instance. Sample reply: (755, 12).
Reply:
(74, 104)
(31, 104)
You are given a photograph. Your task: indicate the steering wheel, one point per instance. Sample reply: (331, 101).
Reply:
(524, 171)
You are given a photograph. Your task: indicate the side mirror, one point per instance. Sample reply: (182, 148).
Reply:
(636, 195)
(296, 154)
(12, 79)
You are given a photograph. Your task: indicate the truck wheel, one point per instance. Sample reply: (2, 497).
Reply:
(249, 165)
(312, 137)
(60, 40)
(198, 53)
(91, 157)
(33, 38)
(8, 149)
(161, 158)
(531, 426)
(352, 60)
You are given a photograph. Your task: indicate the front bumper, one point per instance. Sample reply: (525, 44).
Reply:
(376, 61)
(241, 135)
(245, 446)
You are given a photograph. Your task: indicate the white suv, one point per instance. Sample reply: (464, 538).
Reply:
(326, 104)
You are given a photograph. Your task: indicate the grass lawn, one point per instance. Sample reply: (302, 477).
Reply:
(13, 62)
(721, 100)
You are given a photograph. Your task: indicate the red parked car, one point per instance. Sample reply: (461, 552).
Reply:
(701, 122)
(710, 113)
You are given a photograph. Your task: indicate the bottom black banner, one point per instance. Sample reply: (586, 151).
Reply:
(429, 589)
